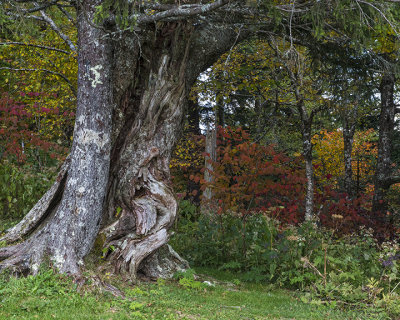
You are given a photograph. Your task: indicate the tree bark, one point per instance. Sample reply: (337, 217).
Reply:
(349, 129)
(64, 231)
(383, 172)
(306, 123)
(114, 189)
(211, 156)
(194, 117)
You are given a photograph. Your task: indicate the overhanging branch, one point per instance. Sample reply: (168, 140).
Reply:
(38, 7)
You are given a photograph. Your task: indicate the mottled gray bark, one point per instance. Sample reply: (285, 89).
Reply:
(383, 172)
(64, 232)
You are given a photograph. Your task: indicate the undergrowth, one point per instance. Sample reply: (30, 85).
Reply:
(349, 271)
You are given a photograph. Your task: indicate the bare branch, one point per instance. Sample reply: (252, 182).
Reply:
(34, 45)
(39, 7)
(67, 14)
(163, 7)
(57, 30)
(381, 13)
(44, 70)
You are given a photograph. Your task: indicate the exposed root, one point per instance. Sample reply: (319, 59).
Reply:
(41, 210)
(16, 259)
(163, 263)
(9, 251)
(141, 228)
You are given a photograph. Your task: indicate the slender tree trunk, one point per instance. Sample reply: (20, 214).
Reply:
(348, 139)
(386, 125)
(211, 156)
(220, 121)
(307, 153)
(259, 114)
(194, 117)
(306, 132)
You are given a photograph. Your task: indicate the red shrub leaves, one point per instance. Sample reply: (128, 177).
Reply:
(249, 177)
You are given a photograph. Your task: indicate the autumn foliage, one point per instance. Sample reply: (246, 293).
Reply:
(19, 134)
(250, 178)
(329, 162)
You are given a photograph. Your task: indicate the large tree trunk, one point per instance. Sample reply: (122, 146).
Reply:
(65, 223)
(132, 96)
(149, 121)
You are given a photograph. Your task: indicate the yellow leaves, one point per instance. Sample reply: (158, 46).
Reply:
(187, 154)
(329, 149)
(47, 96)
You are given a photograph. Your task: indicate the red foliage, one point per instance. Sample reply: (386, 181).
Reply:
(345, 215)
(250, 178)
(17, 134)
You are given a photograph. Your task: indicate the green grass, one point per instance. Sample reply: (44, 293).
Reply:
(49, 296)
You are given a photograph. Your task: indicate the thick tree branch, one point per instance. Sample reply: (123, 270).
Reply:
(180, 12)
(392, 180)
(44, 70)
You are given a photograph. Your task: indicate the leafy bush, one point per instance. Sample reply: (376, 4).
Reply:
(20, 188)
(347, 270)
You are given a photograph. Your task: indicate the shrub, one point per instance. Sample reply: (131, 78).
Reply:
(347, 270)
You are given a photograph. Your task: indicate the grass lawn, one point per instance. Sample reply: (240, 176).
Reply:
(50, 296)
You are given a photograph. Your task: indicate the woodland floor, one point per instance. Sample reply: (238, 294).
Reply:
(50, 296)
